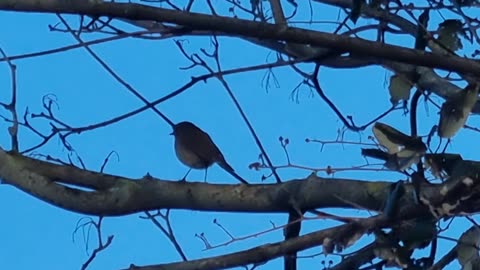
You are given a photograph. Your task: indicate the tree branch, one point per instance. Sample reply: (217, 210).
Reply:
(240, 27)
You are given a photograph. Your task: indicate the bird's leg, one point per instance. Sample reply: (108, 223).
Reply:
(185, 177)
(205, 178)
(148, 176)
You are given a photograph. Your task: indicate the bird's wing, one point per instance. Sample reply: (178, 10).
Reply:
(204, 147)
(210, 149)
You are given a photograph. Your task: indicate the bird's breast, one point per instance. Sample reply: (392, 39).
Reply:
(190, 158)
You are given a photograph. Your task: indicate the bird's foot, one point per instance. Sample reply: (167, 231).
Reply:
(183, 180)
(148, 177)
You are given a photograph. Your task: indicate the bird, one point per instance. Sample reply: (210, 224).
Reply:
(195, 149)
(455, 111)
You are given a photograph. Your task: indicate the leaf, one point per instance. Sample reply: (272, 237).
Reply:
(356, 10)
(399, 89)
(467, 249)
(396, 162)
(416, 233)
(455, 111)
(381, 131)
(464, 3)
(388, 249)
(402, 150)
(442, 163)
(375, 3)
(395, 140)
(448, 32)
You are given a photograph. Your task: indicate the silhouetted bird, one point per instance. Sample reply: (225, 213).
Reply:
(195, 149)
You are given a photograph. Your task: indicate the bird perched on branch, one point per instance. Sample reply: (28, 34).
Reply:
(455, 111)
(195, 149)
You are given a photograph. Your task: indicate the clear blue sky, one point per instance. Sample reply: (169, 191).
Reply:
(34, 233)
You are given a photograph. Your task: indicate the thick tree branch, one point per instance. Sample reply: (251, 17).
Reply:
(114, 195)
(239, 27)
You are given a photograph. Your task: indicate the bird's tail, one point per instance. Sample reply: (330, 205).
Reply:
(230, 170)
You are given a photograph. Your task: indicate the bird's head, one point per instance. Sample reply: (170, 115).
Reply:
(182, 126)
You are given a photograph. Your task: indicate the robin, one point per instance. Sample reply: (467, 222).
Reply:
(195, 149)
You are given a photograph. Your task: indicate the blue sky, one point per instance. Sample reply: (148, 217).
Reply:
(35, 233)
